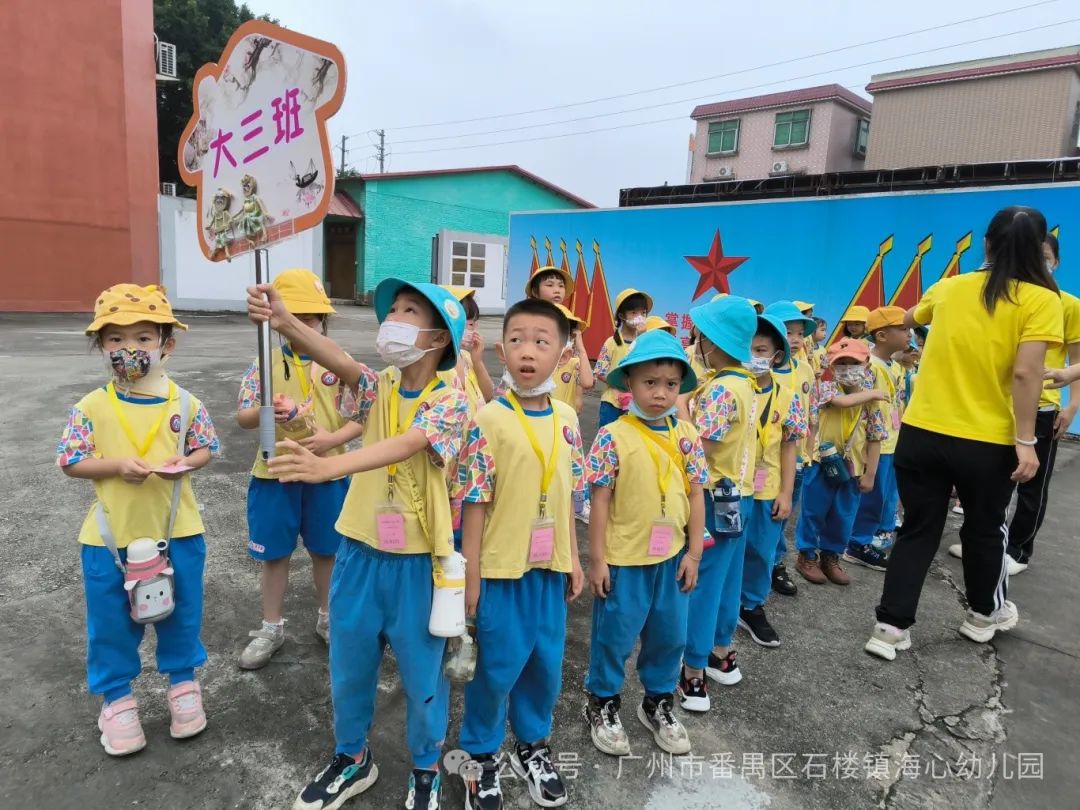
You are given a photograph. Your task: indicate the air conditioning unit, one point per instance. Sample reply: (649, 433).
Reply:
(166, 60)
(780, 167)
(168, 189)
(725, 172)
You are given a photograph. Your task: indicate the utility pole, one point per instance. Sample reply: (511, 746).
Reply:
(341, 167)
(381, 151)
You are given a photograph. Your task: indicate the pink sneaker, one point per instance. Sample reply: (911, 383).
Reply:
(186, 709)
(121, 731)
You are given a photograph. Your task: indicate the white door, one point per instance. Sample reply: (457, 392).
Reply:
(478, 261)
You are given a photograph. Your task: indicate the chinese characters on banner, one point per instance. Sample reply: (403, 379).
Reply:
(256, 148)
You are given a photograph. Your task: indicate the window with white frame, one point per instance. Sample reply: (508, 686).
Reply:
(724, 137)
(792, 129)
(468, 264)
(862, 137)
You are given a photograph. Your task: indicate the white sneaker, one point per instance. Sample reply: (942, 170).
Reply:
(658, 716)
(265, 641)
(958, 509)
(957, 550)
(980, 628)
(1015, 566)
(887, 640)
(585, 513)
(322, 627)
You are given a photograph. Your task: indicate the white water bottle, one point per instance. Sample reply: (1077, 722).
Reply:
(447, 618)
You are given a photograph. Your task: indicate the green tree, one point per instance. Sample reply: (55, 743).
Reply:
(200, 30)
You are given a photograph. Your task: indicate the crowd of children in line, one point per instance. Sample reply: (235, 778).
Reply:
(702, 454)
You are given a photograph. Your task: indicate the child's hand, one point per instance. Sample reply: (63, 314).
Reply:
(320, 442)
(575, 582)
(866, 483)
(133, 470)
(296, 463)
(171, 462)
(879, 396)
(477, 347)
(283, 408)
(472, 598)
(1057, 377)
(688, 573)
(781, 507)
(599, 578)
(265, 304)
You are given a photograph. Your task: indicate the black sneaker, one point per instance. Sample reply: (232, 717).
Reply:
(757, 625)
(425, 790)
(482, 788)
(724, 670)
(867, 556)
(782, 583)
(605, 727)
(693, 695)
(338, 782)
(533, 764)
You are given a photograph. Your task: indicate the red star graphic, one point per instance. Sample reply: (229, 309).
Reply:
(714, 268)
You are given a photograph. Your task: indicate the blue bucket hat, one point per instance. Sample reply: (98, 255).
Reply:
(654, 345)
(788, 311)
(447, 307)
(777, 325)
(729, 324)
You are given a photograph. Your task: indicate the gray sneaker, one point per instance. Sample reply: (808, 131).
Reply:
(887, 640)
(658, 716)
(980, 628)
(265, 641)
(322, 627)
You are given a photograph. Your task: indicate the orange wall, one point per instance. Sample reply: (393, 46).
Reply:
(78, 151)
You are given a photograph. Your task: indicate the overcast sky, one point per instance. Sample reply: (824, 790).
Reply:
(416, 63)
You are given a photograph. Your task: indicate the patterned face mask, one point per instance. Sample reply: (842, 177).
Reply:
(130, 365)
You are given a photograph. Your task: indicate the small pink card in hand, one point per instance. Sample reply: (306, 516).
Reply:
(173, 469)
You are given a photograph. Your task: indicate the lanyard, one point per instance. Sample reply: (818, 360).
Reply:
(763, 422)
(140, 447)
(305, 384)
(394, 428)
(548, 465)
(669, 447)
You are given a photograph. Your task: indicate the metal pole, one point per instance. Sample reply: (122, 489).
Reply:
(267, 432)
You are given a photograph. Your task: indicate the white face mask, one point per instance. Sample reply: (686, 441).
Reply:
(637, 322)
(545, 387)
(396, 343)
(758, 365)
(850, 375)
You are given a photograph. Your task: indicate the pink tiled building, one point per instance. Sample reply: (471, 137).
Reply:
(808, 131)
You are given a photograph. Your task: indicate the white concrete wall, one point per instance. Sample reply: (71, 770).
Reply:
(195, 283)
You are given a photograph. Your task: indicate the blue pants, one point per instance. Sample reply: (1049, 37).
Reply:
(521, 633)
(608, 414)
(379, 598)
(645, 601)
(796, 496)
(828, 513)
(761, 533)
(892, 498)
(872, 504)
(277, 513)
(113, 639)
(714, 604)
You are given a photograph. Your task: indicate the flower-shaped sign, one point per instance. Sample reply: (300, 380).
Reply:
(256, 147)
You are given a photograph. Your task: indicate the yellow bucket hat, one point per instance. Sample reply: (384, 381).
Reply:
(126, 304)
(620, 299)
(567, 279)
(302, 292)
(856, 314)
(570, 316)
(460, 293)
(656, 322)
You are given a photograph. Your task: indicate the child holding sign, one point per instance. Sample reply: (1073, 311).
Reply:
(305, 409)
(647, 470)
(137, 438)
(396, 524)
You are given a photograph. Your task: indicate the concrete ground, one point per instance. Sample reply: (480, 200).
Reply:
(815, 723)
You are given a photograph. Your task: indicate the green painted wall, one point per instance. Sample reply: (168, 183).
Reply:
(402, 214)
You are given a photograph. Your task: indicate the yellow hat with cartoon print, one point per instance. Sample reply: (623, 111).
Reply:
(302, 292)
(127, 304)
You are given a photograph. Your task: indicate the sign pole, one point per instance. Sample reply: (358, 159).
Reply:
(267, 431)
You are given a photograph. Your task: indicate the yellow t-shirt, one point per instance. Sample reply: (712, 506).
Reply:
(965, 375)
(611, 354)
(1058, 356)
(420, 483)
(315, 383)
(799, 379)
(135, 510)
(848, 429)
(723, 411)
(472, 384)
(889, 379)
(500, 469)
(621, 460)
(701, 371)
(785, 422)
(566, 382)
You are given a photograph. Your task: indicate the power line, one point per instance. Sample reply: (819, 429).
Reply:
(732, 73)
(712, 95)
